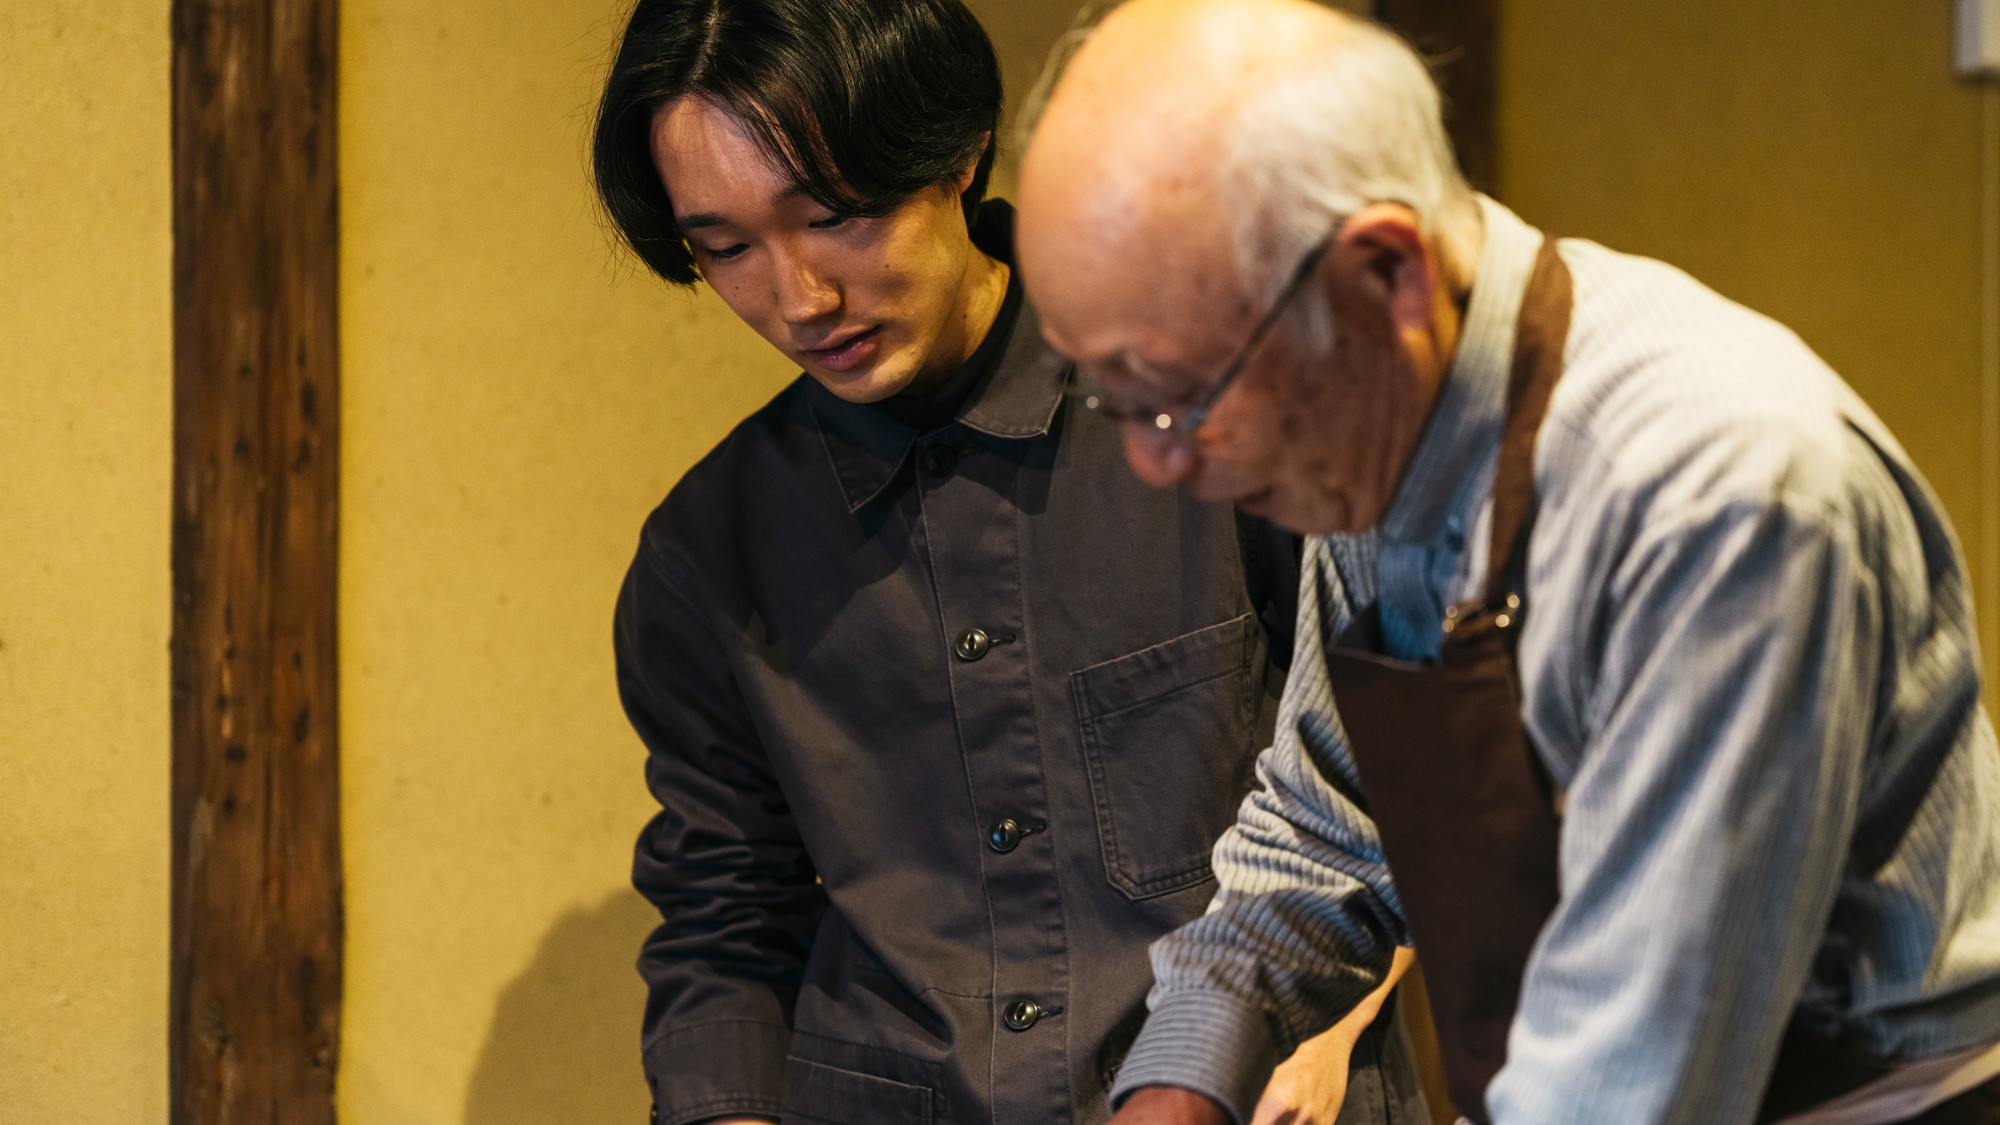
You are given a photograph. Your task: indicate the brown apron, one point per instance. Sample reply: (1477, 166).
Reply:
(1465, 811)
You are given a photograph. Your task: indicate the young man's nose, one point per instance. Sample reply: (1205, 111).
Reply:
(805, 294)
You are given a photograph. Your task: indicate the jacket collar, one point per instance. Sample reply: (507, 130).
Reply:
(1016, 401)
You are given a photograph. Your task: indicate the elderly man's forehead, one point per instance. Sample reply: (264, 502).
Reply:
(1140, 132)
(1136, 84)
(1143, 177)
(1130, 206)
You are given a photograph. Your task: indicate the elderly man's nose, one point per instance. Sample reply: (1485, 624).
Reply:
(1157, 459)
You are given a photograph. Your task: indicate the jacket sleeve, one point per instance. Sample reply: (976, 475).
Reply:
(722, 861)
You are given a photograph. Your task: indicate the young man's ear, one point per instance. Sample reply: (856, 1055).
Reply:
(971, 171)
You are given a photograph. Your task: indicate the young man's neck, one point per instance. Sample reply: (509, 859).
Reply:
(983, 294)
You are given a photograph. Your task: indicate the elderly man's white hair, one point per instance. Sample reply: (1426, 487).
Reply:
(1364, 126)
(1327, 141)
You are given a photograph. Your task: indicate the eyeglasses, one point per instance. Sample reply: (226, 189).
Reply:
(1184, 420)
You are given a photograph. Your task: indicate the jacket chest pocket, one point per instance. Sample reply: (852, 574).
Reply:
(1166, 735)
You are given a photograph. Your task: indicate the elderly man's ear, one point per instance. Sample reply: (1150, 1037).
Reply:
(1383, 258)
(1384, 266)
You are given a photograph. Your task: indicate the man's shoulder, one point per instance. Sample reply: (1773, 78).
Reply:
(1674, 394)
(754, 468)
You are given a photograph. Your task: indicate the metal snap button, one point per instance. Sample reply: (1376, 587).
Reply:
(1004, 836)
(973, 644)
(1022, 1015)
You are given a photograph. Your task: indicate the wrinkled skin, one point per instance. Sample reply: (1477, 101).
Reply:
(1125, 246)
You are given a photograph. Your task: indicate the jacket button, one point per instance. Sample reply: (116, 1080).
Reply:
(938, 460)
(973, 644)
(1022, 1015)
(1004, 836)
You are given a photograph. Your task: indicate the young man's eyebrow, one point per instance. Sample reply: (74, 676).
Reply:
(701, 219)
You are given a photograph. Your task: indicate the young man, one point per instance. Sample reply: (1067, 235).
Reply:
(944, 709)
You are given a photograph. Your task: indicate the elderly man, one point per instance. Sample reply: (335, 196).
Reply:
(1652, 652)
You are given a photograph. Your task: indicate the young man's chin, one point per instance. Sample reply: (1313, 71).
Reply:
(862, 386)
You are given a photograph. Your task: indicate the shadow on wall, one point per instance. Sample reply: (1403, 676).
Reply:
(564, 1046)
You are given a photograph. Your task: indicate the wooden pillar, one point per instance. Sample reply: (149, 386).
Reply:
(256, 949)
(1461, 38)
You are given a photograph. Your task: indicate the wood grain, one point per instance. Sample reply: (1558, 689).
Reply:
(1461, 39)
(257, 929)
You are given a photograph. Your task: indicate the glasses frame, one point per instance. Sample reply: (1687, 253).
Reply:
(1189, 424)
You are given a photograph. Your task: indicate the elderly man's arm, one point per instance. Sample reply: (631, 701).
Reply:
(1709, 822)
(1295, 940)
(1310, 1088)
(1305, 923)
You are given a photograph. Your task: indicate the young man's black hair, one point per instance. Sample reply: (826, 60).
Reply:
(864, 102)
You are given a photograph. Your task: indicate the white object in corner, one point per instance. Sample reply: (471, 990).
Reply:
(1979, 38)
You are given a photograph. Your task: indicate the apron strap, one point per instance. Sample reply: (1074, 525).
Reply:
(1540, 336)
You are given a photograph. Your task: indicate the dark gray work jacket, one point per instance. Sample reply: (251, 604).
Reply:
(942, 726)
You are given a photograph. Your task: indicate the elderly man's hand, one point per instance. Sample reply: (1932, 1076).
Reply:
(1170, 1105)
(1310, 1087)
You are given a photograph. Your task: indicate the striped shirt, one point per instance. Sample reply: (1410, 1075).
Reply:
(1748, 663)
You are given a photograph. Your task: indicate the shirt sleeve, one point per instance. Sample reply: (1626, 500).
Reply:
(722, 861)
(1708, 822)
(1305, 921)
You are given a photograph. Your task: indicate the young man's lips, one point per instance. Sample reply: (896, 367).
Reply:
(849, 353)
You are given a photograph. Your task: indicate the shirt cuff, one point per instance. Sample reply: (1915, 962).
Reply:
(1209, 1042)
(718, 1069)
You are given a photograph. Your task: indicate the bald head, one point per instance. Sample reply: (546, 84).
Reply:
(1158, 76)
(1133, 140)
(1186, 163)
(1227, 134)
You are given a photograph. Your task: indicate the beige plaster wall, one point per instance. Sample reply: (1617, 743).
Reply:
(517, 398)
(85, 465)
(1818, 162)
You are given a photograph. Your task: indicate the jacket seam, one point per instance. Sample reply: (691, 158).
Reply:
(688, 1028)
